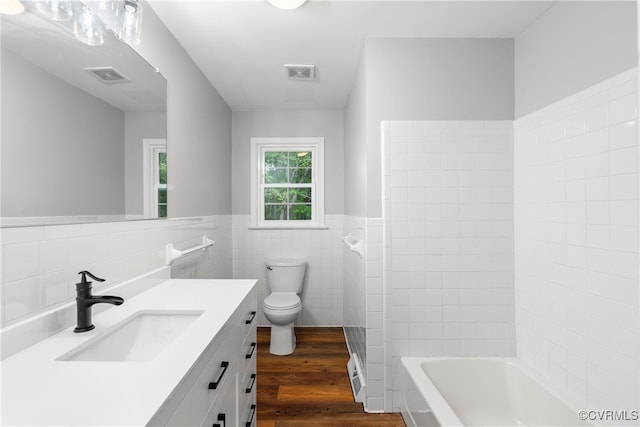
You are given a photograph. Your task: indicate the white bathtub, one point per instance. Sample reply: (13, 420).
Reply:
(477, 391)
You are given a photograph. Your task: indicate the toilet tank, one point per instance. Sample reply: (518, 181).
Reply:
(285, 275)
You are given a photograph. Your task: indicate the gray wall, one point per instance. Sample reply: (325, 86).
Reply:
(198, 127)
(573, 46)
(139, 126)
(355, 146)
(62, 149)
(288, 123)
(432, 79)
(439, 79)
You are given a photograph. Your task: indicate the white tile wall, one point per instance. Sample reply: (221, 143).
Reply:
(363, 305)
(576, 243)
(448, 229)
(216, 262)
(322, 249)
(40, 264)
(354, 291)
(375, 333)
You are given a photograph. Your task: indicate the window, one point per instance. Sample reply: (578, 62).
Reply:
(160, 184)
(287, 182)
(155, 178)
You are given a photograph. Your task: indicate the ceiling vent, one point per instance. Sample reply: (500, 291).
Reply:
(300, 72)
(107, 75)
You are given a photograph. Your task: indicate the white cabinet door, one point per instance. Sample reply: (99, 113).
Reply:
(223, 412)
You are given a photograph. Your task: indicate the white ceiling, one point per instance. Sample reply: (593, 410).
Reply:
(241, 45)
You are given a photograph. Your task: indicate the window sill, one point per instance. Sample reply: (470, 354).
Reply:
(288, 227)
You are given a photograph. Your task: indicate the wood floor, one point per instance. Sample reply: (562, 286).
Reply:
(311, 387)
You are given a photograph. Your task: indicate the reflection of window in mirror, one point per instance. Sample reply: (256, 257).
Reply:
(160, 183)
(155, 178)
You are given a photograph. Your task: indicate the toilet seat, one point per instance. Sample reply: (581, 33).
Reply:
(282, 301)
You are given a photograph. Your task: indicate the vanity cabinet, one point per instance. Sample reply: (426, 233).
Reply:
(219, 390)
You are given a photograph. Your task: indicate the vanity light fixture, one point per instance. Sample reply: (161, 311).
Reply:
(56, 10)
(108, 11)
(11, 7)
(287, 4)
(130, 22)
(88, 29)
(88, 19)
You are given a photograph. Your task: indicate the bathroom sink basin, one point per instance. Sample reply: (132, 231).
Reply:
(140, 337)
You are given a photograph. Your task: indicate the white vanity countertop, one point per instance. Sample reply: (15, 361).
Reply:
(37, 390)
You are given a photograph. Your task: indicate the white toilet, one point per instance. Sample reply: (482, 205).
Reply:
(282, 305)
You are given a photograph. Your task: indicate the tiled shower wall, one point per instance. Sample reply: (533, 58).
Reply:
(40, 264)
(576, 243)
(375, 334)
(321, 249)
(448, 241)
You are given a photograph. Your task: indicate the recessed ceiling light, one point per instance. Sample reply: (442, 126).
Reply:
(287, 4)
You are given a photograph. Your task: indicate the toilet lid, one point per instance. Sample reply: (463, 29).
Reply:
(285, 262)
(282, 301)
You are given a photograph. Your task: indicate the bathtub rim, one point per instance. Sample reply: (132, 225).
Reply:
(441, 410)
(446, 416)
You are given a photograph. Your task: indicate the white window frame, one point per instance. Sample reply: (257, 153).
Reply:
(259, 146)
(151, 149)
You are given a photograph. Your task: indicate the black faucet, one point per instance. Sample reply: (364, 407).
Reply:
(84, 301)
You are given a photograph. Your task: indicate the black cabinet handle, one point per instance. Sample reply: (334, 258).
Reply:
(222, 421)
(213, 385)
(251, 351)
(252, 382)
(249, 423)
(252, 316)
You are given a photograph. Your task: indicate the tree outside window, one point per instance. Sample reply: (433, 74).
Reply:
(161, 186)
(293, 201)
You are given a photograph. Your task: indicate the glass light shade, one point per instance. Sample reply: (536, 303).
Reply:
(287, 4)
(88, 29)
(108, 11)
(130, 22)
(57, 10)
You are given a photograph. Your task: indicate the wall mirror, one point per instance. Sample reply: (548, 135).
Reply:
(83, 133)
